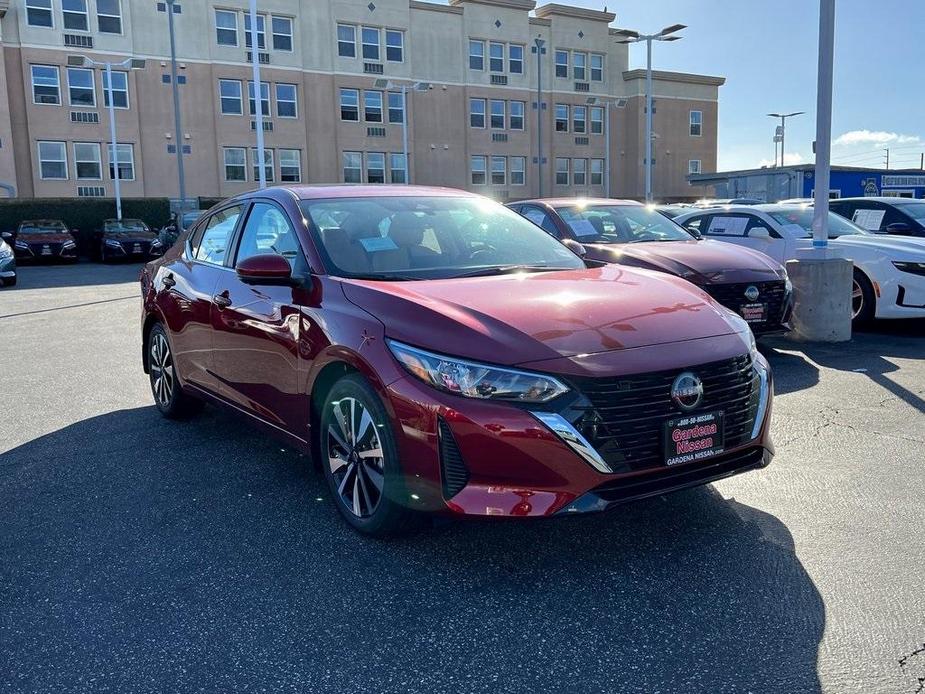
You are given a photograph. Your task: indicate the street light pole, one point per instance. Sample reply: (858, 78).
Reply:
(783, 129)
(607, 149)
(115, 145)
(824, 124)
(539, 48)
(258, 98)
(176, 114)
(404, 131)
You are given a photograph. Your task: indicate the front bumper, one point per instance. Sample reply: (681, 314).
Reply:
(132, 250)
(46, 252)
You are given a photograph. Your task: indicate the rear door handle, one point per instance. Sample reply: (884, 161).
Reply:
(168, 280)
(222, 300)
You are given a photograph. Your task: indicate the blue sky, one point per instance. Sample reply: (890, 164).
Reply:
(766, 49)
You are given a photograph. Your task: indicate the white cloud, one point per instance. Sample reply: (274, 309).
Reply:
(873, 137)
(789, 158)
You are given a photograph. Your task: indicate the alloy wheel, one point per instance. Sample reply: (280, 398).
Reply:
(355, 457)
(161, 366)
(857, 299)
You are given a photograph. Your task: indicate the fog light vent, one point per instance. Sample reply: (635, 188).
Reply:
(454, 472)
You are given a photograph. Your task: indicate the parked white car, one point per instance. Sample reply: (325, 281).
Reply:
(889, 271)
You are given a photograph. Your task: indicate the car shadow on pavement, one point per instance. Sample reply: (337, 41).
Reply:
(81, 274)
(142, 554)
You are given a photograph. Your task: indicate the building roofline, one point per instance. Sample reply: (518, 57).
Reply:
(687, 77)
(528, 5)
(554, 8)
(794, 168)
(433, 7)
(540, 22)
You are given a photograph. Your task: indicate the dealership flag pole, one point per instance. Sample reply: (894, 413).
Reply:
(258, 97)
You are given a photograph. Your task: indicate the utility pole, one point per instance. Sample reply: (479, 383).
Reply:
(539, 50)
(178, 137)
(824, 124)
(781, 132)
(635, 37)
(887, 150)
(258, 97)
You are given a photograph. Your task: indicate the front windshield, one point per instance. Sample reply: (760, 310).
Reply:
(423, 237)
(125, 225)
(916, 210)
(620, 224)
(43, 228)
(802, 217)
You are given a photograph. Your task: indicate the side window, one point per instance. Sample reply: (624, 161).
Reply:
(757, 222)
(214, 242)
(541, 219)
(268, 230)
(695, 224)
(727, 225)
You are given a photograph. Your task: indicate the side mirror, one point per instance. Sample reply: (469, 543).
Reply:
(898, 228)
(575, 247)
(759, 233)
(694, 232)
(267, 268)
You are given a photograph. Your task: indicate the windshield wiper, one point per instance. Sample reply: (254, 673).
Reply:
(504, 270)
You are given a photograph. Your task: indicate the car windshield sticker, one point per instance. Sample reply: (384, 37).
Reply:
(728, 226)
(868, 219)
(378, 243)
(582, 228)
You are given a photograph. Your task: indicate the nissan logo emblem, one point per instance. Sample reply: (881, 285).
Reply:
(752, 293)
(687, 391)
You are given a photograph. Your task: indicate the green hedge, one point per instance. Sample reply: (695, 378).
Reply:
(84, 214)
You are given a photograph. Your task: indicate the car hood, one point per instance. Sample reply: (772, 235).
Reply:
(49, 237)
(513, 319)
(894, 245)
(701, 262)
(130, 236)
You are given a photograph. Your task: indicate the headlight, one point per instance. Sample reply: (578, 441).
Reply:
(156, 243)
(474, 380)
(22, 245)
(113, 243)
(68, 244)
(788, 285)
(913, 268)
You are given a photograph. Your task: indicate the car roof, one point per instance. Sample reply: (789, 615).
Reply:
(881, 198)
(350, 190)
(42, 221)
(556, 202)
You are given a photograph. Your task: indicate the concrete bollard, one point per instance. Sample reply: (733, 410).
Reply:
(822, 299)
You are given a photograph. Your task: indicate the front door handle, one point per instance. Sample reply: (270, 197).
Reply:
(222, 300)
(168, 280)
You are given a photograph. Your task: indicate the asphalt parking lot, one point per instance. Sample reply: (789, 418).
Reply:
(151, 556)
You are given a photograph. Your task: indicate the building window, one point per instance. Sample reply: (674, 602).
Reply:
(561, 63)
(370, 43)
(75, 15)
(109, 16)
(375, 167)
(495, 57)
(87, 163)
(477, 113)
(396, 108)
(398, 168)
(696, 123)
(597, 67)
(476, 55)
(353, 167)
(46, 85)
(561, 118)
(38, 13)
(264, 98)
(498, 171)
(230, 94)
(579, 116)
(287, 101)
(282, 33)
(81, 87)
(226, 28)
(477, 166)
(580, 61)
(515, 59)
(597, 120)
(597, 172)
(518, 169)
(235, 164)
(267, 164)
(126, 154)
(350, 105)
(261, 32)
(693, 166)
(290, 166)
(52, 161)
(346, 41)
(517, 114)
(119, 89)
(394, 45)
(372, 106)
(580, 171)
(561, 171)
(497, 114)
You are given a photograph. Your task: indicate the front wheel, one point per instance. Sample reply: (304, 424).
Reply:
(169, 397)
(360, 459)
(863, 299)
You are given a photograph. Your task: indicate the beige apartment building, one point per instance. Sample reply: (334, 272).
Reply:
(332, 73)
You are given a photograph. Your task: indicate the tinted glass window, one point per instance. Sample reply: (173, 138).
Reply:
(268, 231)
(916, 210)
(800, 221)
(214, 242)
(620, 224)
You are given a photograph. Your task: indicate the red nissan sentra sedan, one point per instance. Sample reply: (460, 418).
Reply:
(624, 231)
(436, 352)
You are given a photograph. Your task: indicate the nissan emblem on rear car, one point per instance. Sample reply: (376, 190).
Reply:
(751, 293)
(687, 391)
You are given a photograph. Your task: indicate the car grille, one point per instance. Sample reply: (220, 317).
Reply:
(129, 246)
(54, 247)
(626, 414)
(732, 296)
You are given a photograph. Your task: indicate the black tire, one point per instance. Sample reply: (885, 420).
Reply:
(169, 398)
(863, 299)
(103, 258)
(10, 281)
(377, 511)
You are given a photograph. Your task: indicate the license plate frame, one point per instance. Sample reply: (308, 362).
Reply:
(693, 437)
(754, 313)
